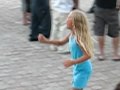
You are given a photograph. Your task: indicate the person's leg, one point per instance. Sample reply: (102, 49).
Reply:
(41, 21)
(34, 23)
(25, 18)
(63, 31)
(101, 43)
(45, 22)
(55, 28)
(113, 31)
(24, 12)
(99, 28)
(28, 9)
(115, 43)
(28, 5)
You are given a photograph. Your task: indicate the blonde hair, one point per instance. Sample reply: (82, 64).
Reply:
(82, 33)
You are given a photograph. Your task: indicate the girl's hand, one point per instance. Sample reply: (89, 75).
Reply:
(68, 63)
(42, 38)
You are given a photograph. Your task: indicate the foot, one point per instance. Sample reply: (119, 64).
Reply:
(33, 39)
(116, 58)
(53, 48)
(26, 23)
(101, 57)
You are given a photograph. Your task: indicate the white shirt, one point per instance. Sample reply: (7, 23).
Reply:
(63, 6)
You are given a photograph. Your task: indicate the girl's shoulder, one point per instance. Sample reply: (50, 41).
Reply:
(72, 36)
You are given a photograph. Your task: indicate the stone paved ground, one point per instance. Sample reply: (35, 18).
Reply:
(28, 65)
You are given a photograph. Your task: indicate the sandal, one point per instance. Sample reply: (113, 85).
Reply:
(116, 59)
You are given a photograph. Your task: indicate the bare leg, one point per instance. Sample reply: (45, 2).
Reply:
(24, 18)
(115, 43)
(28, 17)
(101, 46)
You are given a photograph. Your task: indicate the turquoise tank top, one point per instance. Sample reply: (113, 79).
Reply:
(76, 52)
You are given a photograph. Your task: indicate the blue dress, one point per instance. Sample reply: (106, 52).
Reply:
(81, 71)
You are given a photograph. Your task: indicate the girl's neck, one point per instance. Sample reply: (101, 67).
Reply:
(73, 31)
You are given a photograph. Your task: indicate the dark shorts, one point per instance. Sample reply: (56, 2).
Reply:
(109, 18)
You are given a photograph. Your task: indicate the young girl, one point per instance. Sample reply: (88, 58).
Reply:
(81, 48)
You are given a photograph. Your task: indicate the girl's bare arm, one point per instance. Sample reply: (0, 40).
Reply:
(43, 39)
(68, 63)
(83, 58)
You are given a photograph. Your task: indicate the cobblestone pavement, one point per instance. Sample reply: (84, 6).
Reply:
(28, 65)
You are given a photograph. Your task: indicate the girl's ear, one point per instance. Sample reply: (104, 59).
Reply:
(73, 26)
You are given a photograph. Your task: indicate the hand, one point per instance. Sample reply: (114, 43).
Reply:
(68, 63)
(42, 38)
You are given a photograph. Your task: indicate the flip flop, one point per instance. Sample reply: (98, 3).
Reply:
(117, 59)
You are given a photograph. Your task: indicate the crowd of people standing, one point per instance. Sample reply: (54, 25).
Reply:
(49, 18)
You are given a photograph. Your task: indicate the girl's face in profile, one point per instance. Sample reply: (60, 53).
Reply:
(69, 22)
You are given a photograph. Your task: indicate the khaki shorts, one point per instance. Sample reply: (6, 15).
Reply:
(109, 18)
